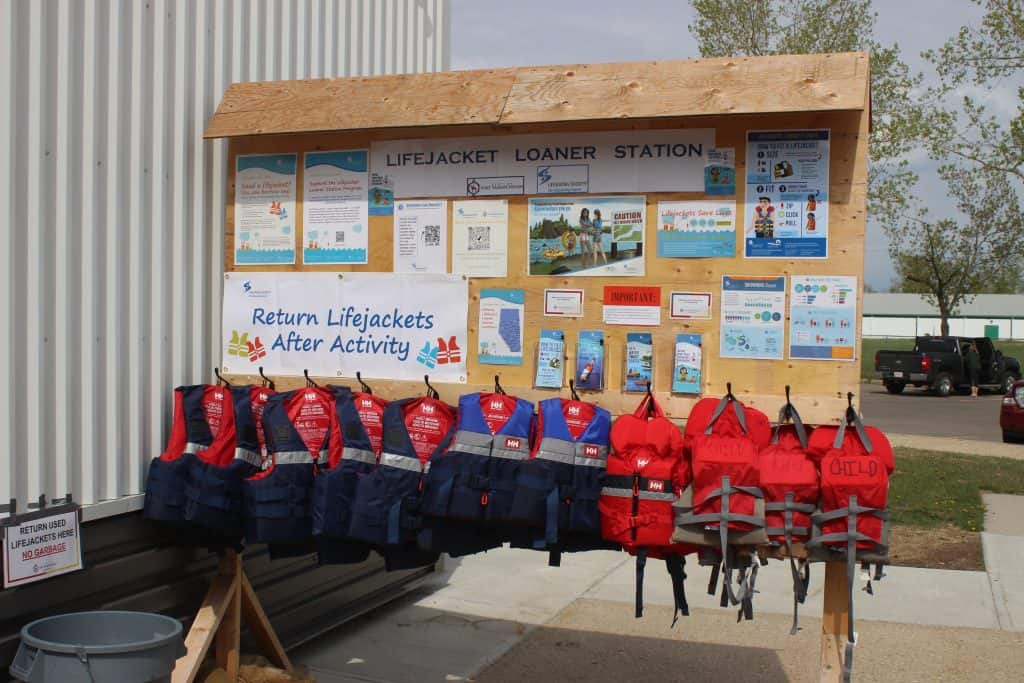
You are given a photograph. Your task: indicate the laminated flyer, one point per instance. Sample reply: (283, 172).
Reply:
(421, 236)
(786, 204)
(480, 237)
(639, 361)
(686, 364)
(550, 360)
(823, 317)
(590, 360)
(586, 235)
(335, 222)
(720, 172)
(265, 209)
(694, 229)
(501, 327)
(753, 318)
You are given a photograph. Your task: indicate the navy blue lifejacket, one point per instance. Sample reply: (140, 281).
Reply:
(297, 426)
(558, 488)
(469, 490)
(203, 424)
(358, 416)
(385, 512)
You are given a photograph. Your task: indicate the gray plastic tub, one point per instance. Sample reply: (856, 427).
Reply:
(97, 647)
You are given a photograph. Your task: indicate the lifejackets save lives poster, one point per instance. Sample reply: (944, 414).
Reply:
(334, 326)
(586, 235)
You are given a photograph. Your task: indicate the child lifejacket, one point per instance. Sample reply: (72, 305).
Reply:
(213, 491)
(385, 507)
(724, 508)
(358, 428)
(468, 492)
(558, 488)
(278, 500)
(203, 424)
(645, 474)
(789, 481)
(852, 523)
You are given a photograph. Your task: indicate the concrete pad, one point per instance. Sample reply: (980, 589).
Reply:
(1004, 514)
(907, 594)
(594, 640)
(948, 444)
(1004, 560)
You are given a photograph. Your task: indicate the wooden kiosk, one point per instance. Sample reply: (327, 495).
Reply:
(729, 95)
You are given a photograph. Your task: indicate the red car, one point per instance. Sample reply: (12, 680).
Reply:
(1011, 417)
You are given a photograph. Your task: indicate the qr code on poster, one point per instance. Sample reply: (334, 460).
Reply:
(432, 235)
(339, 236)
(479, 238)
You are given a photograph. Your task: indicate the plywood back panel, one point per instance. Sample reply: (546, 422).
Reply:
(818, 386)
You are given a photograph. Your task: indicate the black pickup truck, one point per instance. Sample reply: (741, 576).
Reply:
(938, 364)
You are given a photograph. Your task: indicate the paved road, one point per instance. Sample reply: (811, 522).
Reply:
(917, 412)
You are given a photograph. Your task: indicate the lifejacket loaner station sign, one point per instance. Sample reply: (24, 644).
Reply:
(562, 163)
(41, 548)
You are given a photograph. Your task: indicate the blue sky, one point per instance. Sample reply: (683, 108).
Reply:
(489, 33)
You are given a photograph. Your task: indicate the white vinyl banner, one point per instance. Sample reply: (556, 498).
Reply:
(609, 161)
(379, 324)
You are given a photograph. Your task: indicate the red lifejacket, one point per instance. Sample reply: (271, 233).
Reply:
(646, 472)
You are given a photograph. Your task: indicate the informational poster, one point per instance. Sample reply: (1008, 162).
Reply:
(586, 236)
(501, 326)
(372, 323)
(42, 547)
(480, 238)
(823, 317)
(753, 317)
(720, 172)
(564, 303)
(690, 306)
(550, 360)
(639, 371)
(264, 209)
(686, 366)
(382, 195)
(546, 163)
(421, 236)
(335, 222)
(590, 360)
(625, 305)
(695, 229)
(786, 211)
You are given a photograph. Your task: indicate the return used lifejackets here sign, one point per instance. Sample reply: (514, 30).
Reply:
(334, 325)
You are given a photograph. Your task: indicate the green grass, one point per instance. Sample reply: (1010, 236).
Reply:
(932, 489)
(870, 346)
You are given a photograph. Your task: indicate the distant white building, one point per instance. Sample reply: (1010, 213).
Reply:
(1000, 316)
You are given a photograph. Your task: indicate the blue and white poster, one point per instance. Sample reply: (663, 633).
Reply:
(720, 172)
(550, 360)
(590, 360)
(501, 326)
(695, 229)
(639, 374)
(686, 365)
(599, 236)
(753, 317)
(373, 323)
(786, 210)
(335, 219)
(264, 209)
(823, 317)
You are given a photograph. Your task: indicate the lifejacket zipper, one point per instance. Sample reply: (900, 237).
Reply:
(636, 503)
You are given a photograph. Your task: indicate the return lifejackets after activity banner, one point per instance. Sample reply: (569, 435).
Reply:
(335, 325)
(559, 163)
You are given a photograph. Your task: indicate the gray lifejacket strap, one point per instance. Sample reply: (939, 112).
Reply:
(720, 408)
(788, 411)
(800, 582)
(861, 433)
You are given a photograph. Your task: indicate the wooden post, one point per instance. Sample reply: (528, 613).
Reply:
(219, 621)
(835, 613)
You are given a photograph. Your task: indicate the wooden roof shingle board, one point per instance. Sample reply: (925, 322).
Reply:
(547, 94)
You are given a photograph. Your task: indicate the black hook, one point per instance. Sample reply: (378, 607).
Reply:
(497, 386)
(728, 391)
(787, 411)
(363, 385)
(221, 380)
(431, 391)
(309, 381)
(267, 382)
(851, 414)
(572, 391)
(650, 399)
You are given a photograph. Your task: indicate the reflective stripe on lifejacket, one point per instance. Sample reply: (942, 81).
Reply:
(194, 448)
(251, 457)
(641, 487)
(497, 445)
(297, 457)
(402, 462)
(572, 453)
(359, 454)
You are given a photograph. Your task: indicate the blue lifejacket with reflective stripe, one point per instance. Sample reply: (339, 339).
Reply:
(167, 478)
(475, 480)
(334, 490)
(278, 500)
(213, 493)
(385, 511)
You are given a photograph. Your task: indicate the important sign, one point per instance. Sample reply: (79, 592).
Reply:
(41, 548)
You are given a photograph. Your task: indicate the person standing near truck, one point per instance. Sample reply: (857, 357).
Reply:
(972, 359)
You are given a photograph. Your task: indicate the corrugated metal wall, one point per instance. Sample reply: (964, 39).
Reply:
(113, 208)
